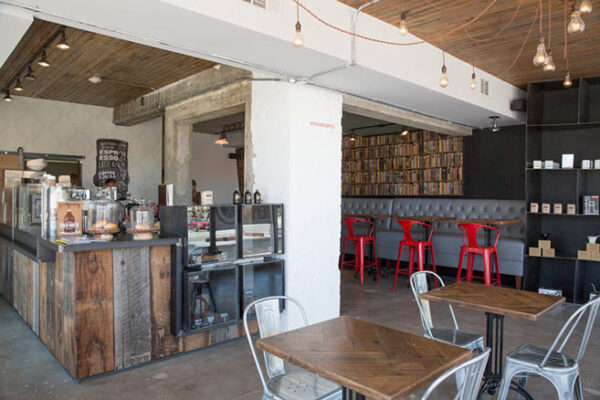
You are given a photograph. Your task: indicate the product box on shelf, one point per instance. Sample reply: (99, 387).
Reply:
(571, 209)
(558, 208)
(568, 161)
(591, 205)
(534, 207)
(546, 208)
(535, 252)
(550, 164)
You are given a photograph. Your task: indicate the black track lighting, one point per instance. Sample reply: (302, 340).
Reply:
(30, 76)
(62, 43)
(7, 97)
(18, 87)
(43, 60)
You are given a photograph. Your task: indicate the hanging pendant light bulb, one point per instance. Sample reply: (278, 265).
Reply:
(298, 41)
(550, 66)
(568, 82)
(18, 87)
(585, 7)
(403, 27)
(7, 97)
(494, 126)
(577, 24)
(541, 57)
(473, 84)
(222, 140)
(444, 79)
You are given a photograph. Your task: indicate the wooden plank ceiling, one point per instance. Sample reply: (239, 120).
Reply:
(430, 19)
(67, 77)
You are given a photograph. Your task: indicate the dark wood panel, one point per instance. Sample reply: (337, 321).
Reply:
(494, 56)
(67, 77)
(163, 342)
(131, 268)
(94, 317)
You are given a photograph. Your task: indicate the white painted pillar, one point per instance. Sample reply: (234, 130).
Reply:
(294, 153)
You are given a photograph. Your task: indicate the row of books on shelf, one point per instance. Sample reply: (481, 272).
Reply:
(405, 149)
(403, 176)
(405, 189)
(395, 163)
(443, 145)
(394, 138)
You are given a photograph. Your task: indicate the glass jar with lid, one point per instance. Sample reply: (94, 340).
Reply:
(104, 215)
(141, 221)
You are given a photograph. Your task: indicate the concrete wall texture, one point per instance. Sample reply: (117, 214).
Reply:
(47, 126)
(296, 156)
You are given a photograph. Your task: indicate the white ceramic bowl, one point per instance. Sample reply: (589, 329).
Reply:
(37, 165)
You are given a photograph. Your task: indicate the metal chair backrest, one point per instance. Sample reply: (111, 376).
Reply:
(349, 221)
(268, 317)
(468, 389)
(470, 233)
(419, 285)
(407, 225)
(569, 327)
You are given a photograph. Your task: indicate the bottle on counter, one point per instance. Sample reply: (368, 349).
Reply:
(237, 197)
(247, 197)
(257, 197)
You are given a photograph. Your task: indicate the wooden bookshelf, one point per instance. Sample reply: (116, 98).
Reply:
(419, 164)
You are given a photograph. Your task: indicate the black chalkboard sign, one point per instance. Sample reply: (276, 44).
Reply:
(111, 162)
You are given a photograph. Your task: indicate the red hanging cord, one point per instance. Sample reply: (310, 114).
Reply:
(566, 46)
(541, 17)
(524, 42)
(549, 24)
(489, 39)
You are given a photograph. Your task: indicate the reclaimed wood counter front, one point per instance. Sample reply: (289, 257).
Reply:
(100, 310)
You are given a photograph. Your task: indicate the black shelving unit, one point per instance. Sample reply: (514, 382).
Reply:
(562, 121)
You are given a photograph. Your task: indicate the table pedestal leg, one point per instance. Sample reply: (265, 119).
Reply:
(348, 394)
(494, 339)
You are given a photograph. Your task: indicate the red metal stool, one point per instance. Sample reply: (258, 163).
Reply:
(359, 247)
(412, 244)
(471, 248)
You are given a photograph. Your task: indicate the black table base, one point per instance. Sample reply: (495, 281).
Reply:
(494, 336)
(348, 394)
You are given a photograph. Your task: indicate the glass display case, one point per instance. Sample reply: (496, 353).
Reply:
(29, 205)
(209, 232)
(260, 280)
(257, 230)
(7, 211)
(210, 298)
(141, 222)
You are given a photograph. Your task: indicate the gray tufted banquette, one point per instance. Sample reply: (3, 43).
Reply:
(447, 237)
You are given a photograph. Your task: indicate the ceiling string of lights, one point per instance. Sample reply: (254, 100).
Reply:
(42, 60)
(542, 58)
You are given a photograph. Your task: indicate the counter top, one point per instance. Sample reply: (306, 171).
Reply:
(123, 240)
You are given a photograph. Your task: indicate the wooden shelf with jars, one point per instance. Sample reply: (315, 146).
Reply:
(420, 163)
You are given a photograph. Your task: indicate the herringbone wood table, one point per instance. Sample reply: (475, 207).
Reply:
(379, 362)
(502, 301)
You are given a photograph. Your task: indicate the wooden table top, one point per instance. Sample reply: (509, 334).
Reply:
(498, 300)
(379, 362)
(490, 221)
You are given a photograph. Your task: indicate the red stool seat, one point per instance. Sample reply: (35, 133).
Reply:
(360, 241)
(471, 248)
(419, 245)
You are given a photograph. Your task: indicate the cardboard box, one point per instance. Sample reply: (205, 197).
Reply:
(550, 164)
(535, 252)
(571, 209)
(583, 255)
(546, 208)
(558, 208)
(544, 244)
(592, 248)
(68, 217)
(586, 164)
(534, 207)
(548, 253)
(538, 164)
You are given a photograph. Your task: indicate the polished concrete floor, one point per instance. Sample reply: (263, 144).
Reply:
(29, 372)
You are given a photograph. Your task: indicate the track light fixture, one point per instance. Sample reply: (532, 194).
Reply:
(222, 140)
(7, 97)
(29, 76)
(403, 27)
(494, 127)
(43, 62)
(405, 132)
(18, 87)
(62, 43)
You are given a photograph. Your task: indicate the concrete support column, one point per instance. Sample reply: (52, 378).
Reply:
(294, 157)
(178, 157)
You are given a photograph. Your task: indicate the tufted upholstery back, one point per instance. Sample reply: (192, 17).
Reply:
(366, 205)
(457, 208)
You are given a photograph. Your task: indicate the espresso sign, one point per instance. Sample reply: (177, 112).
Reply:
(111, 163)
(68, 218)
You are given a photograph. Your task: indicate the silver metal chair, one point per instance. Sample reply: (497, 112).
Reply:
(560, 369)
(464, 339)
(284, 382)
(471, 370)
